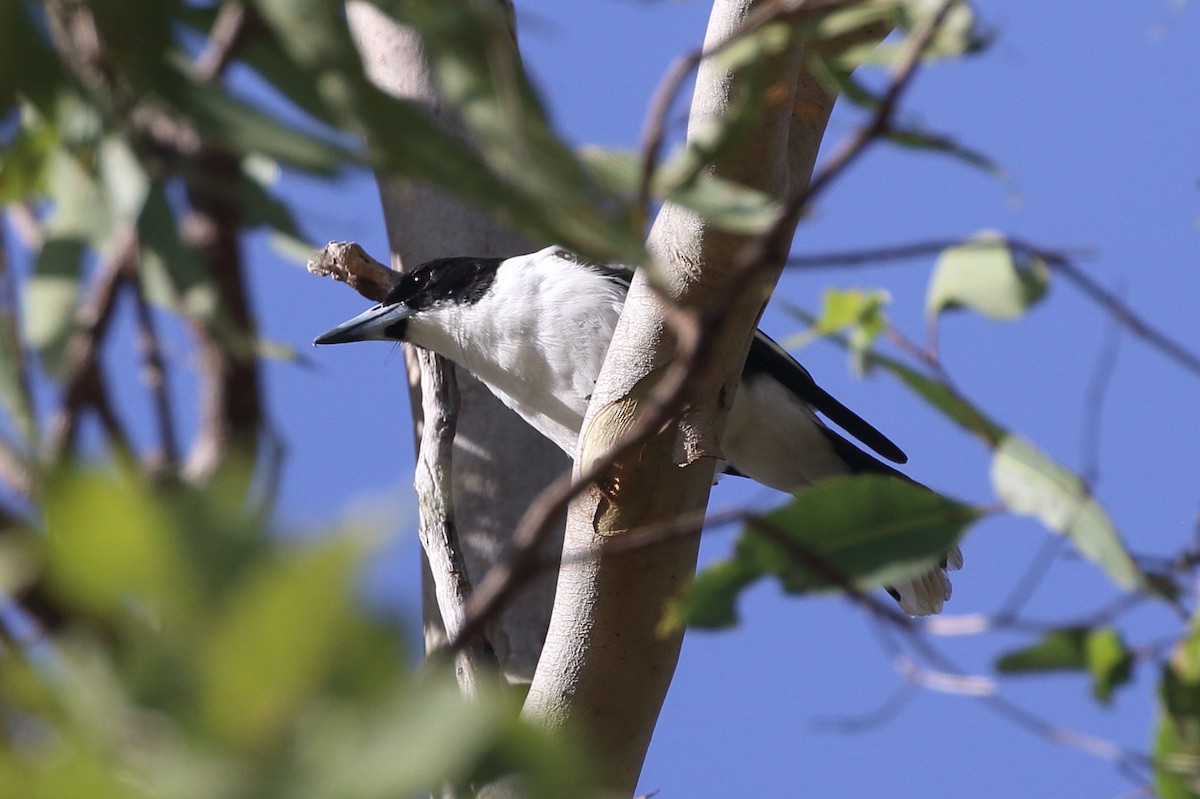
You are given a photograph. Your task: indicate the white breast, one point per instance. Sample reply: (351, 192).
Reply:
(537, 339)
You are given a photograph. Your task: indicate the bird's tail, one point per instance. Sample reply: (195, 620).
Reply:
(925, 595)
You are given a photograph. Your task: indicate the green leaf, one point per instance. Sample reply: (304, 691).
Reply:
(112, 547)
(937, 393)
(711, 601)
(945, 399)
(1031, 484)
(80, 207)
(916, 139)
(861, 313)
(172, 274)
(29, 68)
(50, 297)
(477, 65)
(278, 637)
(984, 274)
(1109, 661)
(1177, 742)
(1101, 652)
(24, 161)
(865, 531)
(750, 49)
(15, 394)
(727, 205)
(424, 735)
(1058, 650)
(124, 182)
(245, 130)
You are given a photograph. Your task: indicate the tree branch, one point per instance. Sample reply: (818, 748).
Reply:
(154, 373)
(499, 462)
(82, 386)
(350, 264)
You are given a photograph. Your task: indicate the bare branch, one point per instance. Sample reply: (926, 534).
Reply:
(1127, 317)
(229, 32)
(15, 470)
(349, 263)
(1102, 373)
(82, 387)
(438, 532)
(154, 373)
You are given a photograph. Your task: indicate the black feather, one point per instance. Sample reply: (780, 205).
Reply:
(768, 358)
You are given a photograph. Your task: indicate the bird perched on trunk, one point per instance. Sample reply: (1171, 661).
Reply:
(535, 329)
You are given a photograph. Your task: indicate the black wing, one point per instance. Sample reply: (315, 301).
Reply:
(767, 357)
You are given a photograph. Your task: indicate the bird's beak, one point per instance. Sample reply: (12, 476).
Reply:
(370, 325)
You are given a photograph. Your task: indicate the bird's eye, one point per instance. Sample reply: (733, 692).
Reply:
(420, 279)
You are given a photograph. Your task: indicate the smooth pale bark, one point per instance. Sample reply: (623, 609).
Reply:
(499, 462)
(606, 666)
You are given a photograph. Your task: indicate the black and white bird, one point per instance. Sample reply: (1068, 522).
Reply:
(535, 328)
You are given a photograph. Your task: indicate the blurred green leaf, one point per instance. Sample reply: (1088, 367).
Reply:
(1177, 741)
(172, 274)
(937, 393)
(945, 399)
(858, 313)
(245, 130)
(29, 68)
(50, 296)
(1101, 652)
(24, 162)
(957, 35)
(916, 139)
(1031, 484)
(748, 50)
(727, 205)
(865, 531)
(277, 638)
(984, 274)
(15, 396)
(124, 181)
(112, 549)
(424, 735)
(711, 601)
(1057, 651)
(80, 208)
(1109, 661)
(478, 69)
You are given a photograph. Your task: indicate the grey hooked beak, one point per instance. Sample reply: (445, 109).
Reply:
(370, 325)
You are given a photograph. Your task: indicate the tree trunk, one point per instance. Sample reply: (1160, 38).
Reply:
(499, 462)
(607, 664)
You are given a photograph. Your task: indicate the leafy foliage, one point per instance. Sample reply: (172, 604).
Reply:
(851, 533)
(202, 658)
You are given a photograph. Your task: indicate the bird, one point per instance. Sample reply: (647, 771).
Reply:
(535, 328)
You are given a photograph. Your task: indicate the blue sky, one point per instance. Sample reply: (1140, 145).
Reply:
(1093, 111)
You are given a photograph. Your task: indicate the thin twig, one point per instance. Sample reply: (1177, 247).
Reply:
(15, 470)
(1093, 407)
(1030, 579)
(1128, 761)
(154, 373)
(871, 256)
(654, 129)
(437, 529)
(1127, 316)
(772, 246)
(224, 40)
(82, 387)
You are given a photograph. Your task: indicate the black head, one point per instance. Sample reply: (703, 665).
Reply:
(461, 280)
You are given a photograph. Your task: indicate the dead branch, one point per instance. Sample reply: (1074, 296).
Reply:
(347, 262)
